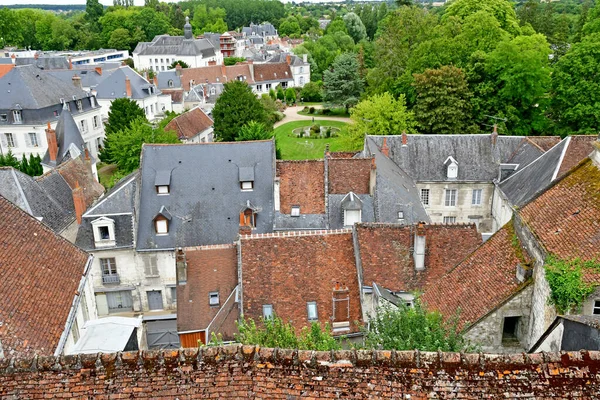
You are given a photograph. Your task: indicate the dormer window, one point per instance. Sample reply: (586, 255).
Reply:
(170, 83)
(93, 101)
(79, 105)
(248, 215)
(295, 211)
(246, 177)
(162, 182)
(162, 221)
(247, 185)
(104, 232)
(17, 116)
(451, 168)
(352, 208)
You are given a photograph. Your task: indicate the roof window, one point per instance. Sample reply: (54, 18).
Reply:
(295, 211)
(246, 178)
(451, 167)
(162, 182)
(311, 310)
(213, 298)
(162, 221)
(352, 209)
(104, 232)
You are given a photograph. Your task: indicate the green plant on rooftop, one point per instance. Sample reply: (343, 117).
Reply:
(567, 286)
(414, 328)
(274, 332)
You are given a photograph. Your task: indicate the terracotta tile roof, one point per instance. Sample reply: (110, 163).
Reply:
(209, 269)
(190, 124)
(78, 171)
(386, 256)
(579, 148)
(349, 175)
(272, 72)
(176, 94)
(479, 284)
(4, 68)
(566, 218)
(289, 270)
(40, 274)
(302, 183)
(215, 74)
(544, 142)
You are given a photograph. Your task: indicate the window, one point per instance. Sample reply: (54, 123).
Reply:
(162, 226)
(151, 108)
(174, 295)
(104, 232)
(267, 311)
(301, 70)
(109, 266)
(510, 330)
(83, 124)
(449, 220)
(213, 298)
(295, 211)
(213, 91)
(476, 200)
(162, 60)
(170, 83)
(301, 80)
(156, 61)
(3, 118)
(425, 197)
(150, 267)
(311, 309)
(400, 216)
(93, 101)
(96, 121)
(79, 105)
(164, 189)
(268, 86)
(119, 301)
(10, 140)
(596, 310)
(98, 144)
(67, 106)
(450, 198)
(284, 85)
(247, 185)
(17, 117)
(248, 218)
(351, 217)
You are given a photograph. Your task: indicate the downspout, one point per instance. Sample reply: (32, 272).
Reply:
(74, 306)
(240, 286)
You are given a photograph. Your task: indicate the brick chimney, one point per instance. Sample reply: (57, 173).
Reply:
(98, 70)
(155, 80)
(385, 149)
(494, 136)
(36, 55)
(404, 139)
(76, 81)
(223, 71)
(127, 86)
(419, 247)
(78, 202)
(212, 63)
(178, 69)
(52, 145)
(70, 63)
(288, 59)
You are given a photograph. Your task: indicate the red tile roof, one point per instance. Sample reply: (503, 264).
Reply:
(209, 269)
(40, 274)
(287, 270)
(566, 218)
(5, 68)
(78, 172)
(215, 74)
(349, 175)
(301, 183)
(272, 72)
(190, 124)
(579, 148)
(386, 256)
(481, 283)
(176, 94)
(544, 142)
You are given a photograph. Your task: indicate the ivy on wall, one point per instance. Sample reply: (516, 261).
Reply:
(565, 277)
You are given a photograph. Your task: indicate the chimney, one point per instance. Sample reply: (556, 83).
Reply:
(385, 149)
(419, 247)
(52, 145)
(86, 153)
(181, 267)
(373, 177)
(36, 55)
(98, 70)
(212, 63)
(223, 71)
(305, 58)
(250, 61)
(70, 63)
(78, 202)
(128, 86)
(178, 69)
(404, 139)
(76, 81)
(494, 136)
(156, 80)
(288, 59)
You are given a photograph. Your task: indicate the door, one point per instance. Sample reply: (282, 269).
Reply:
(162, 334)
(119, 301)
(155, 300)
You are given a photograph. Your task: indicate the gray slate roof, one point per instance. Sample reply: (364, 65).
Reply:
(67, 135)
(521, 187)
(176, 45)
(49, 197)
(119, 200)
(45, 63)
(423, 157)
(394, 191)
(165, 76)
(205, 197)
(113, 86)
(302, 222)
(336, 213)
(266, 29)
(281, 58)
(32, 88)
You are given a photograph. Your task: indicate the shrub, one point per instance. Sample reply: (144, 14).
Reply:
(326, 111)
(328, 132)
(311, 110)
(305, 109)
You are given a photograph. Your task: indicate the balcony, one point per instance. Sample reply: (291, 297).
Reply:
(109, 279)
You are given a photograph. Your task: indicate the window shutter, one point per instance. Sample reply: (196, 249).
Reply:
(28, 140)
(15, 141)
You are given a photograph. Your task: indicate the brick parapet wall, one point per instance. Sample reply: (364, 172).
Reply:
(249, 372)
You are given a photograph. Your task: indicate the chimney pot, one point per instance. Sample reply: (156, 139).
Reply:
(52, 145)
(70, 63)
(385, 149)
(98, 70)
(404, 139)
(128, 86)
(494, 136)
(76, 81)
(288, 59)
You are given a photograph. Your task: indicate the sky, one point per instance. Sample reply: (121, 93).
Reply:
(105, 2)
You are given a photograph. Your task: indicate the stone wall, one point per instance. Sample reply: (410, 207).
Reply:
(247, 372)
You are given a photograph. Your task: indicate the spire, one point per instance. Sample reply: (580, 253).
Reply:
(187, 29)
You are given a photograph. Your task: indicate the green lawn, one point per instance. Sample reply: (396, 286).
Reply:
(105, 173)
(293, 148)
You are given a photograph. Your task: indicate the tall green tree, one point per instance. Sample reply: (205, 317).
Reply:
(356, 28)
(254, 131)
(379, 114)
(443, 102)
(235, 107)
(342, 84)
(121, 114)
(290, 27)
(502, 10)
(576, 88)
(93, 10)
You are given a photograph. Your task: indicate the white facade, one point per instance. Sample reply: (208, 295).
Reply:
(154, 106)
(23, 139)
(163, 62)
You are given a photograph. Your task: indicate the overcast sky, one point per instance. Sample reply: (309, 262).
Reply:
(105, 2)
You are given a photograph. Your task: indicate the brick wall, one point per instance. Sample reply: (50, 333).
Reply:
(247, 372)
(349, 175)
(302, 183)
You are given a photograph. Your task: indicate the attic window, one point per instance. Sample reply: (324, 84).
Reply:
(246, 178)
(295, 211)
(452, 168)
(161, 225)
(3, 118)
(104, 232)
(352, 208)
(248, 218)
(267, 311)
(164, 189)
(311, 310)
(247, 185)
(79, 105)
(213, 298)
(170, 83)
(162, 182)
(401, 217)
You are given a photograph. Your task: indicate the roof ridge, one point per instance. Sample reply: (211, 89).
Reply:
(211, 247)
(286, 234)
(534, 161)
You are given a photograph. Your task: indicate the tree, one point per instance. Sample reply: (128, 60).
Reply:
(311, 91)
(233, 60)
(234, 108)
(413, 328)
(443, 102)
(378, 115)
(125, 145)
(93, 10)
(337, 25)
(183, 64)
(356, 28)
(343, 84)
(576, 88)
(120, 116)
(280, 93)
(290, 95)
(502, 10)
(120, 39)
(254, 131)
(290, 27)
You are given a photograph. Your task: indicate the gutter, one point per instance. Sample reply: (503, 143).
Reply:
(74, 306)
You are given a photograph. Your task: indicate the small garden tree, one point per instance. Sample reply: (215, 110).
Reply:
(182, 63)
(290, 95)
(254, 131)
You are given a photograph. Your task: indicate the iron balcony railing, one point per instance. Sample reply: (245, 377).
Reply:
(113, 278)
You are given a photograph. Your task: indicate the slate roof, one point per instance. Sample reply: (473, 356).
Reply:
(190, 123)
(165, 76)
(481, 283)
(45, 63)
(31, 88)
(385, 251)
(282, 58)
(176, 45)
(90, 78)
(119, 200)
(113, 86)
(566, 217)
(336, 213)
(67, 135)
(266, 29)
(208, 270)
(205, 197)
(35, 265)
(293, 268)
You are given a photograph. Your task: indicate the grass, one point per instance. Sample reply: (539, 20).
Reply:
(293, 148)
(105, 173)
